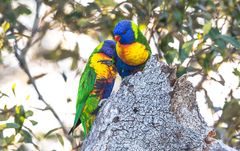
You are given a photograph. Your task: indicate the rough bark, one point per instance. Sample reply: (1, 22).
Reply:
(152, 111)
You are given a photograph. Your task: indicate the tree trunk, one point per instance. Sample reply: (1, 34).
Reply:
(152, 111)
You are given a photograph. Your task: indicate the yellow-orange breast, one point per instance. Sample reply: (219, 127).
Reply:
(102, 70)
(133, 54)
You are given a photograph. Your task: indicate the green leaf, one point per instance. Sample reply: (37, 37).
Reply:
(236, 72)
(5, 114)
(22, 9)
(220, 43)
(233, 41)
(28, 113)
(33, 122)
(186, 49)
(207, 27)
(231, 109)
(51, 131)
(8, 125)
(214, 33)
(19, 115)
(60, 139)
(83, 22)
(93, 6)
(207, 60)
(19, 110)
(178, 15)
(74, 15)
(7, 141)
(180, 71)
(11, 37)
(5, 26)
(170, 55)
(13, 88)
(165, 41)
(27, 137)
(27, 97)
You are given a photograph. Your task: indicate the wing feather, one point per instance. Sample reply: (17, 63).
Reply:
(86, 85)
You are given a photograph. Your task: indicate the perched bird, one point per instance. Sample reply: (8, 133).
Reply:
(132, 48)
(96, 83)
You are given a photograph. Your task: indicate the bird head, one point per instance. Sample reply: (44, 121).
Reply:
(125, 32)
(108, 48)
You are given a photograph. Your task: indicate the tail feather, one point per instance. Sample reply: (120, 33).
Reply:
(74, 127)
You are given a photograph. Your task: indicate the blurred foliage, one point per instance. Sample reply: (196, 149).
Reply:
(197, 36)
(15, 131)
(14, 118)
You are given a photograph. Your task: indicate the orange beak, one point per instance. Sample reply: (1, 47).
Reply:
(117, 38)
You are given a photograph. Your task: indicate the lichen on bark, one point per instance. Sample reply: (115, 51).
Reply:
(152, 111)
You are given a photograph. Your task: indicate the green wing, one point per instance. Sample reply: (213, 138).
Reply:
(86, 85)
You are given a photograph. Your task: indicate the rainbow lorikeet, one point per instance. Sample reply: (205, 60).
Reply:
(132, 48)
(96, 83)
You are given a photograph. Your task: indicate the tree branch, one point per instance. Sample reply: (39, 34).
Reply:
(20, 54)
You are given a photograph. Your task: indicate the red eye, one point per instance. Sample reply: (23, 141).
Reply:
(124, 32)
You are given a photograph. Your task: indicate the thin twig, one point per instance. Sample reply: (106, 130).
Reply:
(34, 28)
(119, 4)
(225, 20)
(77, 147)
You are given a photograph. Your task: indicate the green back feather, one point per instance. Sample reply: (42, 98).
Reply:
(135, 29)
(140, 37)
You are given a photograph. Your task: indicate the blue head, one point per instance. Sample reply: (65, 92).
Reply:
(125, 32)
(108, 47)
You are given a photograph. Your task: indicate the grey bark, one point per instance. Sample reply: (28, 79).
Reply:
(151, 112)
